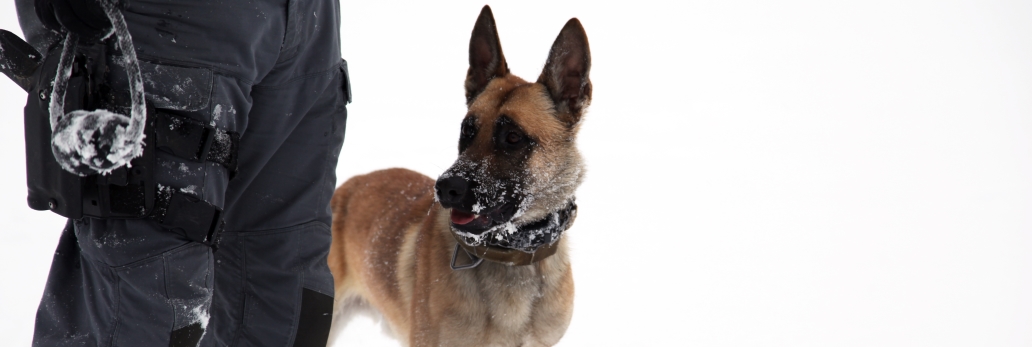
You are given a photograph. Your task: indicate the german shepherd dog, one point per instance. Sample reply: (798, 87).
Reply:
(476, 258)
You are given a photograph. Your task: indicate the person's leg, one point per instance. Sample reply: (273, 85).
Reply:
(60, 320)
(273, 286)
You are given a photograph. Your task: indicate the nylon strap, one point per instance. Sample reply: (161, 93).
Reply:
(192, 140)
(189, 215)
(180, 211)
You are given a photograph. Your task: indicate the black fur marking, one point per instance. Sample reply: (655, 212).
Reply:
(530, 237)
(468, 132)
(510, 137)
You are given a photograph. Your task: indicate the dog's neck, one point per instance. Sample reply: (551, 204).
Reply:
(533, 242)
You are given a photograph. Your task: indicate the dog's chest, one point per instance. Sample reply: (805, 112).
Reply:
(508, 294)
(506, 299)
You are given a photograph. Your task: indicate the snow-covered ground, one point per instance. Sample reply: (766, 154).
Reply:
(789, 173)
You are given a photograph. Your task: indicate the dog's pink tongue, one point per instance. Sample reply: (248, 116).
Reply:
(461, 218)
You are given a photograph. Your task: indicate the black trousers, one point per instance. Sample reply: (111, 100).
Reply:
(271, 71)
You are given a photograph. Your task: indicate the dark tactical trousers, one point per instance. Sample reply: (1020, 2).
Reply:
(271, 71)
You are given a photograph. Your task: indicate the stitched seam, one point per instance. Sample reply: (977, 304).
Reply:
(245, 293)
(118, 311)
(210, 120)
(167, 297)
(179, 63)
(326, 161)
(278, 230)
(293, 80)
(299, 289)
(291, 33)
(155, 257)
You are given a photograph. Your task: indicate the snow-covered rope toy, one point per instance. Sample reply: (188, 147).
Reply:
(99, 141)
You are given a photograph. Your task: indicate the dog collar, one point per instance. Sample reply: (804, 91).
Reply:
(529, 244)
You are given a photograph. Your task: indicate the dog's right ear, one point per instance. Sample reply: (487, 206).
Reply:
(485, 55)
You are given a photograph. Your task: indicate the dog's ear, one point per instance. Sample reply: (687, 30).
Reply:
(485, 55)
(566, 73)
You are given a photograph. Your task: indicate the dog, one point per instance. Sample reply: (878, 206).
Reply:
(476, 258)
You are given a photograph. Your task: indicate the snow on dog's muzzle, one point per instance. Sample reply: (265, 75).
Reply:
(526, 238)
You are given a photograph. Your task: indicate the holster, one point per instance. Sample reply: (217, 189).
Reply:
(130, 191)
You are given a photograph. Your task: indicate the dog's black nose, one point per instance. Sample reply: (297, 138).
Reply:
(451, 190)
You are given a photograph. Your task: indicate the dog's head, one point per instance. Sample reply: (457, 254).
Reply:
(517, 161)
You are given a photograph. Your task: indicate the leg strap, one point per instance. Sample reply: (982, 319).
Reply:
(188, 215)
(192, 140)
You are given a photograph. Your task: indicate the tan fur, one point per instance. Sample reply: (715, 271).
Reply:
(393, 243)
(392, 247)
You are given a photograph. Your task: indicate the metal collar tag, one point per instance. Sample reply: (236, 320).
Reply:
(474, 260)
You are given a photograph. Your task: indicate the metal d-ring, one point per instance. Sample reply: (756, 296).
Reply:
(455, 256)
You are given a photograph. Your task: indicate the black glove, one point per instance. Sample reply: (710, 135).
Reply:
(85, 18)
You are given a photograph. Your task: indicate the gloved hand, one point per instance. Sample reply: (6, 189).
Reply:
(85, 18)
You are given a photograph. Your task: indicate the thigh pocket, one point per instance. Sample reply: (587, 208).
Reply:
(164, 300)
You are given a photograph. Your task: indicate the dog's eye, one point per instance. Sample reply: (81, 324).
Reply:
(508, 135)
(467, 132)
(469, 127)
(513, 137)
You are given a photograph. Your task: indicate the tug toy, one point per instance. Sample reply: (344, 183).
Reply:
(98, 141)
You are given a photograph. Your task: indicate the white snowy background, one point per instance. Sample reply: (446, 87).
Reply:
(789, 173)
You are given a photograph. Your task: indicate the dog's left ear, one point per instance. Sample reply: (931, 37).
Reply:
(566, 73)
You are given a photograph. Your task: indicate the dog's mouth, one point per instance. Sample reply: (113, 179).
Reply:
(463, 218)
(474, 223)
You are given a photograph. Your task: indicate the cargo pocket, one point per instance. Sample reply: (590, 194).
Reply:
(164, 300)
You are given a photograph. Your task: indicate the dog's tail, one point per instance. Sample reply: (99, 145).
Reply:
(349, 307)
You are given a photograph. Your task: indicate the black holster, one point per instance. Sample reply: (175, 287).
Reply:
(52, 188)
(129, 191)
